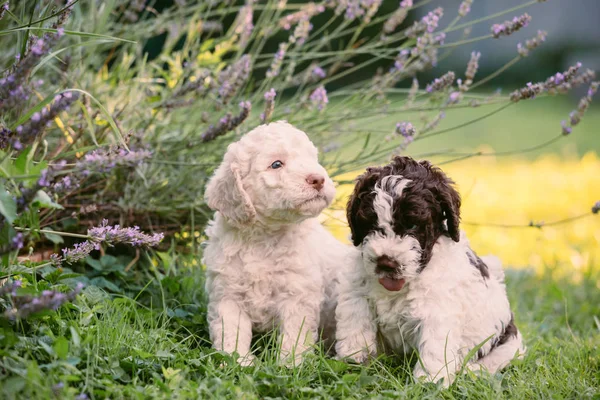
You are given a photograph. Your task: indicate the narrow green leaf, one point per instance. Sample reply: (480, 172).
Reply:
(21, 162)
(42, 199)
(61, 347)
(53, 237)
(107, 115)
(8, 206)
(75, 337)
(52, 55)
(74, 33)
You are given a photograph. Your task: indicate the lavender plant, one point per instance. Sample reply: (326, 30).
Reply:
(118, 136)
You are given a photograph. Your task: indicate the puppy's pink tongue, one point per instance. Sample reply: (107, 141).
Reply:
(391, 284)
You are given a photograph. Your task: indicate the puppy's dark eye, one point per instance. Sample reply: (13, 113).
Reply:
(277, 164)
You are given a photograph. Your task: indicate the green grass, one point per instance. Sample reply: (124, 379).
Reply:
(118, 348)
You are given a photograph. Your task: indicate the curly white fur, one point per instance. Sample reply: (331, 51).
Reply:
(443, 310)
(270, 263)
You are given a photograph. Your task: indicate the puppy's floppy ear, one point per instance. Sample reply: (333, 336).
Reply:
(225, 190)
(450, 202)
(357, 213)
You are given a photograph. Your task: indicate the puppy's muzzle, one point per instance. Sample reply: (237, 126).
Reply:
(386, 265)
(390, 269)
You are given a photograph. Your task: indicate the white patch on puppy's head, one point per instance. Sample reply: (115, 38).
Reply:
(385, 254)
(271, 174)
(384, 200)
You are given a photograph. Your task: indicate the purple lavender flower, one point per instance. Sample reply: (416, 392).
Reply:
(531, 44)
(397, 17)
(428, 23)
(509, 27)
(40, 120)
(62, 18)
(10, 288)
(432, 19)
(15, 89)
(319, 98)
(566, 130)
(472, 68)
(406, 129)
(441, 83)
(233, 78)
(575, 116)
(305, 13)
(353, 9)
(301, 32)
(17, 241)
(244, 24)
(102, 161)
(425, 52)
(109, 235)
(5, 135)
(371, 7)
(555, 82)
(82, 396)
(226, 123)
(465, 8)
(270, 95)
(400, 61)
(596, 207)
(454, 97)
(269, 105)
(44, 180)
(112, 235)
(586, 77)
(318, 72)
(3, 9)
(79, 252)
(26, 305)
(66, 184)
(275, 67)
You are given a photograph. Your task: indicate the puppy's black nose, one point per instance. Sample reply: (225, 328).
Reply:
(315, 180)
(386, 264)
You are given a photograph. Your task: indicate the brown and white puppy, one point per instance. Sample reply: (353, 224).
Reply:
(417, 281)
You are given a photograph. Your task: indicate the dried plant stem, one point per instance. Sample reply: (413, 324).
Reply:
(67, 234)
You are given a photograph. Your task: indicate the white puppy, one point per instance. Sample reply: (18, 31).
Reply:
(416, 279)
(270, 263)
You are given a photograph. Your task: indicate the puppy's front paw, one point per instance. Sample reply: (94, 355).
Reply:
(422, 376)
(293, 359)
(247, 360)
(356, 349)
